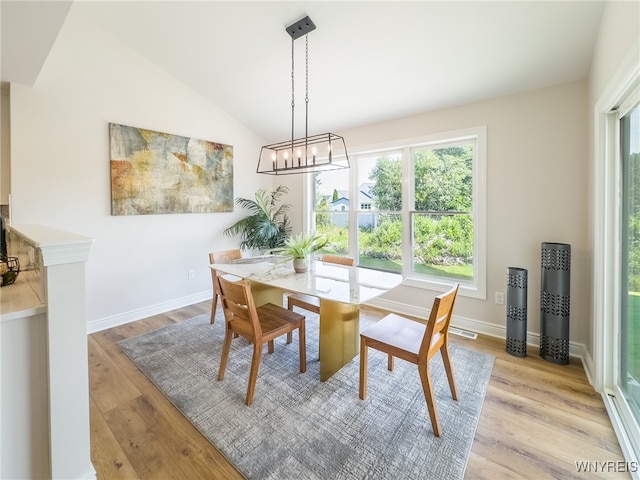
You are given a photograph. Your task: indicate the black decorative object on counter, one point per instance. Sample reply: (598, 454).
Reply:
(3, 237)
(517, 311)
(9, 269)
(555, 302)
(9, 266)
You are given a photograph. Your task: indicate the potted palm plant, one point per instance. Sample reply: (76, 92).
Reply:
(267, 227)
(300, 247)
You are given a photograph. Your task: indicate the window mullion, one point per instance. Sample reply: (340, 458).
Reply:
(353, 207)
(407, 201)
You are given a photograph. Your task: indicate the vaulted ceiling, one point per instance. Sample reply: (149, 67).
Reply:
(368, 61)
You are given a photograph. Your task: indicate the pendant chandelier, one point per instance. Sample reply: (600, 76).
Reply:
(324, 151)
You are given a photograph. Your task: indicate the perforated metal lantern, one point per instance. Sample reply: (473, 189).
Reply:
(517, 311)
(555, 300)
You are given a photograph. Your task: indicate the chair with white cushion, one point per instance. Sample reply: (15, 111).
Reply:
(414, 342)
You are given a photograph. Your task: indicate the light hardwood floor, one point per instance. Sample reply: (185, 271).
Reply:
(537, 421)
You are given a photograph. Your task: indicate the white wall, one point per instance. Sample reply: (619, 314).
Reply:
(537, 192)
(617, 49)
(619, 30)
(60, 171)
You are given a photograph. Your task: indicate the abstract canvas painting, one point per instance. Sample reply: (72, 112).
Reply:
(158, 173)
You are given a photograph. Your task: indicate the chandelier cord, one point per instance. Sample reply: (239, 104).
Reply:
(293, 100)
(306, 93)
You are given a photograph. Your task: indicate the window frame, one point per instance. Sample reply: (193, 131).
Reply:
(475, 288)
(620, 96)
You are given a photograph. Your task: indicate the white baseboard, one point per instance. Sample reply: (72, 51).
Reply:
(587, 363)
(577, 350)
(133, 315)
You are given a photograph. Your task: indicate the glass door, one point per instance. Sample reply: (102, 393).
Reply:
(629, 338)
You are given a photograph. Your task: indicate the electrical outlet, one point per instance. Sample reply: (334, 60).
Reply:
(192, 274)
(499, 298)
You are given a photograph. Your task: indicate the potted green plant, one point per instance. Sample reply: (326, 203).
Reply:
(300, 247)
(267, 227)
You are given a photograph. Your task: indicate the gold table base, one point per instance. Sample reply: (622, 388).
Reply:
(339, 328)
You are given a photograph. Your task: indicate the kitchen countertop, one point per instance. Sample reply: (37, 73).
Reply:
(18, 300)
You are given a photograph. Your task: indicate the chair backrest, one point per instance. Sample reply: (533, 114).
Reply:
(328, 258)
(438, 324)
(239, 307)
(225, 256)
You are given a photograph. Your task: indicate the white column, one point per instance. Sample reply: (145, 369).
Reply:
(63, 256)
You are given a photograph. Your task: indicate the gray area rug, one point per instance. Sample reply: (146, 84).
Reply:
(301, 428)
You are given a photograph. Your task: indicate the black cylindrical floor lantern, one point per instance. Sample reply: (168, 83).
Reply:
(555, 302)
(517, 311)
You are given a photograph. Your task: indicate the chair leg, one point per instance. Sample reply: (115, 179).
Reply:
(302, 339)
(253, 374)
(425, 378)
(214, 303)
(226, 346)
(270, 346)
(446, 359)
(289, 334)
(363, 368)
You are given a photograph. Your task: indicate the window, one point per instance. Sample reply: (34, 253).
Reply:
(416, 208)
(629, 327)
(442, 210)
(616, 268)
(379, 232)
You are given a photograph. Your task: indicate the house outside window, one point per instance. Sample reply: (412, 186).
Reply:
(420, 210)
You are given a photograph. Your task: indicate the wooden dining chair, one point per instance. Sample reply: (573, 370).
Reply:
(224, 256)
(414, 342)
(310, 302)
(258, 325)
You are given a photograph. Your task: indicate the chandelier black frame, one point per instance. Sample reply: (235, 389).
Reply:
(324, 151)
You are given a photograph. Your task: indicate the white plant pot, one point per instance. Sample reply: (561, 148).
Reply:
(300, 265)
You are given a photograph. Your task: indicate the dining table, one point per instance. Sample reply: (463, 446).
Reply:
(341, 290)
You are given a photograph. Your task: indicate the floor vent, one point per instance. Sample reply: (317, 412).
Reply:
(463, 333)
